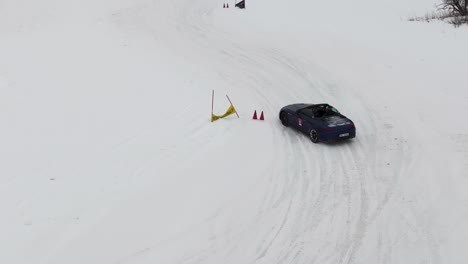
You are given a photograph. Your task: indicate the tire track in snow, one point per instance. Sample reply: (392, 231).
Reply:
(318, 206)
(289, 187)
(326, 160)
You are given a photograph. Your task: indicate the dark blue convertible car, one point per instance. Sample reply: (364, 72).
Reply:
(321, 122)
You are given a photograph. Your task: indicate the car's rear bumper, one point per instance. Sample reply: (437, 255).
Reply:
(337, 135)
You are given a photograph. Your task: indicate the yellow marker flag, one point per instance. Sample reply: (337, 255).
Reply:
(231, 110)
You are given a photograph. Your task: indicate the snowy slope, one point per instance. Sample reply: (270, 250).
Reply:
(108, 156)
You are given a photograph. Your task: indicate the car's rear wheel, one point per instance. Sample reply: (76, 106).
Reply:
(314, 136)
(284, 118)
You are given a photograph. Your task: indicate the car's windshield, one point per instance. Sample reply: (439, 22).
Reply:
(333, 109)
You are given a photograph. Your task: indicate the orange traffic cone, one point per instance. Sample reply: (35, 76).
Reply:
(255, 115)
(261, 116)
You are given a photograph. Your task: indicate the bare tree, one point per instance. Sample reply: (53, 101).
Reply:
(454, 12)
(456, 7)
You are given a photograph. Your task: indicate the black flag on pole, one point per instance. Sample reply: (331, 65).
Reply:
(241, 4)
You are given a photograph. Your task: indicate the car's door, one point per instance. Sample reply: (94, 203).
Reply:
(308, 122)
(295, 121)
(304, 122)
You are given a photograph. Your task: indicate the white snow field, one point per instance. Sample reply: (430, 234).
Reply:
(108, 155)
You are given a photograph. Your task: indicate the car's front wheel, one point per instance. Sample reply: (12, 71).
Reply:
(314, 136)
(284, 118)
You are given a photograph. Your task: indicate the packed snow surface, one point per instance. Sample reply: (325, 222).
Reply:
(108, 155)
